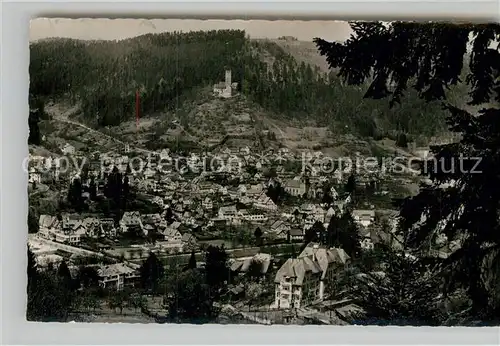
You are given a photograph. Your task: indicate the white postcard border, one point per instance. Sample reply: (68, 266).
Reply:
(14, 204)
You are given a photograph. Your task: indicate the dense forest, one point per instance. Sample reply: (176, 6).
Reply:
(103, 76)
(460, 205)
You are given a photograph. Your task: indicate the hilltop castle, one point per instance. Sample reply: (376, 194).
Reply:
(225, 89)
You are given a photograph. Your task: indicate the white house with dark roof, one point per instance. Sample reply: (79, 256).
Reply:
(68, 231)
(117, 276)
(131, 220)
(265, 203)
(68, 149)
(363, 217)
(302, 280)
(172, 235)
(279, 229)
(48, 227)
(228, 213)
(207, 203)
(295, 188)
(242, 264)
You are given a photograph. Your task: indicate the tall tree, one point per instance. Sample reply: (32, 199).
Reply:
(430, 57)
(191, 301)
(350, 185)
(32, 266)
(169, 215)
(192, 261)
(64, 274)
(92, 189)
(310, 235)
(33, 221)
(48, 298)
(343, 233)
(404, 294)
(402, 140)
(216, 267)
(87, 277)
(255, 269)
(152, 272)
(319, 229)
(36, 114)
(258, 236)
(75, 194)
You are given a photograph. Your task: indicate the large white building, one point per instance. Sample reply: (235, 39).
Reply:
(117, 276)
(295, 188)
(303, 280)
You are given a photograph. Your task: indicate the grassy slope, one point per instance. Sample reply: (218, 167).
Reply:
(303, 51)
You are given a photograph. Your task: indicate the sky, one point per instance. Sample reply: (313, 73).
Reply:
(116, 29)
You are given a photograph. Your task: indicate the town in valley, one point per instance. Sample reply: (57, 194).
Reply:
(225, 190)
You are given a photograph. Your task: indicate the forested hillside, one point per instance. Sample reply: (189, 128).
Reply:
(103, 77)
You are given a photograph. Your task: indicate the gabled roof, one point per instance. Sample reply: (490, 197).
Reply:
(296, 232)
(131, 217)
(115, 269)
(296, 269)
(324, 257)
(186, 237)
(48, 221)
(169, 232)
(175, 225)
(151, 218)
(243, 264)
(363, 213)
(230, 209)
(294, 184)
(277, 224)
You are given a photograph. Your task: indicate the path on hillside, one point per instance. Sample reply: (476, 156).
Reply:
(63, 117)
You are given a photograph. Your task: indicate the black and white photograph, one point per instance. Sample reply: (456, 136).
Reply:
(263, 172)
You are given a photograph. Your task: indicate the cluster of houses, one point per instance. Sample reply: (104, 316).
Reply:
(196, 200)
(304, 280)
(206, 199)
(71, 229)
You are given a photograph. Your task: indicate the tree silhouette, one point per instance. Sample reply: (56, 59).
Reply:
(430, 57)
(319, 229)
(192, 261)
(32, 266)
(255, 269)
(33, 226)
(402, 140)
(75, 194)
(216, 267)
(169, 215)
(65, 275)
(192, 301)
(310, 235)
(36, 114)
(343, 233)
(152, 272)
(350, 185)
(410, 295)
(258, 236)
(48, 298)
(87, 277)
(92, 189)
